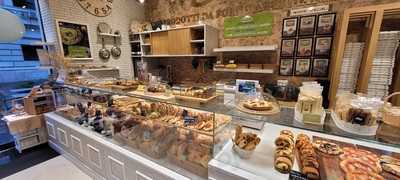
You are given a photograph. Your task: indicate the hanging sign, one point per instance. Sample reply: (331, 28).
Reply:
(309, 10)
(259, 24)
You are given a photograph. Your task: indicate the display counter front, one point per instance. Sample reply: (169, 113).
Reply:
(261, 164)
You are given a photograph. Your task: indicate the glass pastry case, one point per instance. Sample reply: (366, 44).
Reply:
(165, 132)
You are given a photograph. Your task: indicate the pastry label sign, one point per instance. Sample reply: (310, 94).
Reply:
(295, 175)
(243, 26)
(188, 120)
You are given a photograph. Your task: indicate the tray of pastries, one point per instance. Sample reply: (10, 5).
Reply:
(258, 107)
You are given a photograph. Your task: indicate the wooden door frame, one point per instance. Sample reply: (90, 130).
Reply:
(369, 51)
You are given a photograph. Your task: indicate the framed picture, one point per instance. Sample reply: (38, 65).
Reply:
(323, 46)
(74, 40)
(320, 67)
(286, 67)
(307, 25)
(326, 24)
(303, 67)
(289, 27)
(288, 47)
(304, 47)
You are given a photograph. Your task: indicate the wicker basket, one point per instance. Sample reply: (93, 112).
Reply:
(391, 114)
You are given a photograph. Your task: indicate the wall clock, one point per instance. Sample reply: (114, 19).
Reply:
(100, 8)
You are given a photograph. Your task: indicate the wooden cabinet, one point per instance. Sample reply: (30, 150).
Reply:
(179, 42)
(159, 43)
(196, 40)
(366, 26)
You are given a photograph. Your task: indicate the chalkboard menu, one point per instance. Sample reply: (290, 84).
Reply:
(74, 40)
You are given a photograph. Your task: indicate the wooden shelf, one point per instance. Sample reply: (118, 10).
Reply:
(246, 48)
(240, 70)
(146, 44)
(138, 41)
(109, 35)
(181, 55)
(197, 41)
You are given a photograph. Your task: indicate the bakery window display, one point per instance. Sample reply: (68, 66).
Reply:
(357, 114)
(244, 143)
(260, 104)
(309, 108)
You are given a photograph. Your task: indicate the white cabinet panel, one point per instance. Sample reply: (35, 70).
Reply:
(62, 137)
(116, 168)
(94, 156)
(76, 146)
(141, 176)
(51, 130)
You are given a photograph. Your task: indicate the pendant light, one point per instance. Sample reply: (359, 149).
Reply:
(11, 29)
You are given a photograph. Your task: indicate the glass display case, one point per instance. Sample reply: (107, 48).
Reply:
(165, 132)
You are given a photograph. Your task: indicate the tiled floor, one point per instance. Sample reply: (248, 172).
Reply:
(57, 168)
(12, 162)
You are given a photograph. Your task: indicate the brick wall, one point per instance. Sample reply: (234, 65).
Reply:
(165, 9)
(123, 13)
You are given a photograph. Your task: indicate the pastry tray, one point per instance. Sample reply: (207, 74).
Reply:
(201, 100)
(275, 109)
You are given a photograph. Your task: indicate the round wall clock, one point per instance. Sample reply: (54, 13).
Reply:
(100, 8)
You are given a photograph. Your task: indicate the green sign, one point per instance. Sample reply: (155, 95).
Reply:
(259, 24)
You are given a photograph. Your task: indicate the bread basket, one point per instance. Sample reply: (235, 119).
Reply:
(391, 114)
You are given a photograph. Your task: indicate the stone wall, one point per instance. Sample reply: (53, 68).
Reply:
(123, 13)
(213, 12)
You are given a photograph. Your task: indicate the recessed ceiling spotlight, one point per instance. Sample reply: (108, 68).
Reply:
(141, 1)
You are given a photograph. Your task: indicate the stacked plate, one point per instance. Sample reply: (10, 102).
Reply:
(350, 66)
(383, 64)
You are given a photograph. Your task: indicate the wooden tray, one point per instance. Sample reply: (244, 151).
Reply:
(275, 110)
(152, 95)
(329, 165)
(201, 100)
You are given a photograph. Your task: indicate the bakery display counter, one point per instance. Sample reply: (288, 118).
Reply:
(228, 106)
(336, 158)
(185, 137)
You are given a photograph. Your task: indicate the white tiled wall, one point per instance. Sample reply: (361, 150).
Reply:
(123, 13)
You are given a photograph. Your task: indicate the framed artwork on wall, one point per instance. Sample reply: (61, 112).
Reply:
(323, 46)
(304, 47)
(289, 27)
(74, 40)
(307, 25)
(288, 47)
(303, 67)
(326, 24)
(320, 67)
(286, 67)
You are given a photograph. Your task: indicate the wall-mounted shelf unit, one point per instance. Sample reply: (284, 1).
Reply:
(247, 48)
(110, 35)
(240, 70)
(189, 41)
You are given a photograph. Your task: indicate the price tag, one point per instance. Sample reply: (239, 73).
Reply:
(295, 175)
(188, 120)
